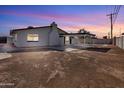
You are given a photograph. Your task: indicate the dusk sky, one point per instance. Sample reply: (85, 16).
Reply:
(69, 18)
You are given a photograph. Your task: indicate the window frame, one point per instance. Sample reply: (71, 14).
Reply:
(33, 37)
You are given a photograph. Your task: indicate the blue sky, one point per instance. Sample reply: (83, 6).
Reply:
(70, 18)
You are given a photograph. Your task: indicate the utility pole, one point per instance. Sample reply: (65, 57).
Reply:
(111, 20)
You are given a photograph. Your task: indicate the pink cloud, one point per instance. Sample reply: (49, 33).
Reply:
(74, 23)
(100, 31)
(76, 19)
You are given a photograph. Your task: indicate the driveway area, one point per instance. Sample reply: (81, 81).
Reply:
(74, 68)
(3, 54)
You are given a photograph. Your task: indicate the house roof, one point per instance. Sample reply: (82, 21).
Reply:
(79, 34)
(30, 27)
(62, 31)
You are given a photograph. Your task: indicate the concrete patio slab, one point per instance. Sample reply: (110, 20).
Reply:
(5, 55)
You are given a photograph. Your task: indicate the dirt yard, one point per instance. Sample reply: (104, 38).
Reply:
(77, 68)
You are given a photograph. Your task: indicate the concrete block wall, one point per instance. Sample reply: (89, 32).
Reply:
(101, 41)
(123, 42)
(120, 42)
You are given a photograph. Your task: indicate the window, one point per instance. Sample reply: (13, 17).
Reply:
(32, 37)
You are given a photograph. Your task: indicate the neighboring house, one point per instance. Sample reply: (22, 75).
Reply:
(38, 36)
(82, 37)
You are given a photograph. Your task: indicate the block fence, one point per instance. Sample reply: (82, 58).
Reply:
(119, 41)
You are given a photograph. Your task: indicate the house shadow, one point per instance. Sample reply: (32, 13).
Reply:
(35, 49)
(98, 49)
(55, 48)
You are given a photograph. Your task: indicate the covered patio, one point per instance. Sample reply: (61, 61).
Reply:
(77, 39)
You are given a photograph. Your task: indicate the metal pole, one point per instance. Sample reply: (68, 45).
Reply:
(111, 25)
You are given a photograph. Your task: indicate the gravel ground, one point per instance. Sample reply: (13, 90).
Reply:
(76, 69)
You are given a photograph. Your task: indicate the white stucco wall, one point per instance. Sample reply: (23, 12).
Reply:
(22, 37)
(123, 42)
(117, 41)
(54, 37)
(48, 36)
(120, 42)
(44, 34)
(61, 41)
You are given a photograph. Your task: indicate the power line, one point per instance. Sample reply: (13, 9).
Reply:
(113, 17)
(116, 11)
(115, 8)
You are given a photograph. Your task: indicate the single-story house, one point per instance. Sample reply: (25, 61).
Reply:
(49, 36)
(38, 36)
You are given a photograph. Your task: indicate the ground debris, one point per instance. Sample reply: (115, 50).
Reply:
(63, 69)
